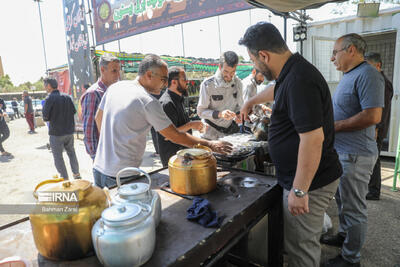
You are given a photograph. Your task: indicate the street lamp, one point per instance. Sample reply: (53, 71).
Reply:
(41, 27)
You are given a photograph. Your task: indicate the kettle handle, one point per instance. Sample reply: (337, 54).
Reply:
(132, 169)
(46, 182)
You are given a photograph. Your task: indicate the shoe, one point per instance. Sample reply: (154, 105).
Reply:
(338, 261)
(77, 176)
(154, 155)
(371, 196)
(5, 153)
(332, 240)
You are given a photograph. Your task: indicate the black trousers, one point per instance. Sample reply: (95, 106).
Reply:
(4, 133)
(155, 139)
(374, 185)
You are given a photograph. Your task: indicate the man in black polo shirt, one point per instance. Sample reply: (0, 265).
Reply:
(301, 138)
(172, 103)
(59, 111)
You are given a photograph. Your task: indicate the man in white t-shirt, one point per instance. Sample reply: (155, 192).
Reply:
(125, 116)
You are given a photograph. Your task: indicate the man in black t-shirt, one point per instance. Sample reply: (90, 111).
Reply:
(172, 103)
(301, 138)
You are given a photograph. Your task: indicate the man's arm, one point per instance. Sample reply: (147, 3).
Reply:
(99, 118)
(89, 106)
(204, 102)
(46, 109)
(185, 139)
(195, 125)
(309, 157)
(361, 120)
(266, 95)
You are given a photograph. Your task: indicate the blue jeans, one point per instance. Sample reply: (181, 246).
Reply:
(351, 202)
(101, 180)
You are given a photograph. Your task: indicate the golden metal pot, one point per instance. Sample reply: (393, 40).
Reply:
(193, 171)
(63, 236)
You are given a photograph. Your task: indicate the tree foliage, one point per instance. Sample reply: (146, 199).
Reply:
(6, 85)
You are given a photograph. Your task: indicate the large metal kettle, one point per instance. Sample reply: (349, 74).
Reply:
(66, 235)
(138, 193)
(193, 171)
(125, 235)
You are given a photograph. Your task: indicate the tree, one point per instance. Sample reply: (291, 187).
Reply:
(6, 84)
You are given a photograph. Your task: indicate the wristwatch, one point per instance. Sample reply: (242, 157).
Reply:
(299, 193)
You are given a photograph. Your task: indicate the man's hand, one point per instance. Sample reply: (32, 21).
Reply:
(227, 115)
(197, 125)
(265, 109)
(221, 147)
(297, 205)
(245, 111)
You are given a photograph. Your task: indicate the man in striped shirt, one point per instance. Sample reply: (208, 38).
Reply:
(109, 73)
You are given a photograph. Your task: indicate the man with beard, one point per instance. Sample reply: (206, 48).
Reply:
(220, 98)
(172, 103)
(126, 113)
(301, 139)
(250, 84)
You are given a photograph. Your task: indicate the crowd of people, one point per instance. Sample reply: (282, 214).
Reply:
(322, 146)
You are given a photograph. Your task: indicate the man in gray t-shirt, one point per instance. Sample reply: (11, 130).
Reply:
(126, 113)
(28, 110)
(357, 106)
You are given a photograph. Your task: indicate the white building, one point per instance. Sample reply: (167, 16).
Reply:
(381, 34)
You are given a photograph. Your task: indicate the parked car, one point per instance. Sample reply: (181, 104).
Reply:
(9, 110)
(36, 104)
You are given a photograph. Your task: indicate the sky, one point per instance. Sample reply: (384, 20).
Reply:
(21, 47)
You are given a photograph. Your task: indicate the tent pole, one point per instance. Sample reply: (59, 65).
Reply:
(219, 37)
(285, 27)
(91, 24)
(183, 41)
(41, 27)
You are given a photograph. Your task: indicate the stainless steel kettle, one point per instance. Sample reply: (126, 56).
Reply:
(138, 193)
(125, 235)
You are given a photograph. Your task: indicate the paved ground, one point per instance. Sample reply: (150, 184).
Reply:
(32, 162)
(382, 246)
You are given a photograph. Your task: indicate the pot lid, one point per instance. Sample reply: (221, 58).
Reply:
(65, 186)
(133, 189)
(196, 153)
(121, 213)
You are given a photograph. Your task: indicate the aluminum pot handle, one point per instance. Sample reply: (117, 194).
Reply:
(132, 169)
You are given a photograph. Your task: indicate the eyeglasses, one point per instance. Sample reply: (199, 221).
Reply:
(164, 79)
(181, 79)
(334, 52)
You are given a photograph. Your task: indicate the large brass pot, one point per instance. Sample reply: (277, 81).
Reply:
(193, 171)
(63, 236)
